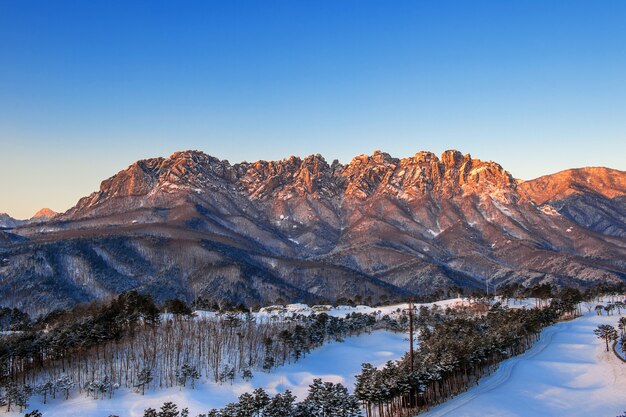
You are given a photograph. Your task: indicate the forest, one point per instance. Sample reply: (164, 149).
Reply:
(456, 349)
(131, 343)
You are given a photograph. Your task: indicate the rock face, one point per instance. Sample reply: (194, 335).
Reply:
(194, 226)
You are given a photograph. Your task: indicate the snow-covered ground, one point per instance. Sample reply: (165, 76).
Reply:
(342, 311)
(336, 362)
(290, 310)
(566, 373)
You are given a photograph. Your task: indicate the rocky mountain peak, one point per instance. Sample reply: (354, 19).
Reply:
(365, 174)
(287, 178)
(452, 159)
(44, 214)
(194, 172)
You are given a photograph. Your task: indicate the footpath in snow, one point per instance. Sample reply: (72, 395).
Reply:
(566, 373)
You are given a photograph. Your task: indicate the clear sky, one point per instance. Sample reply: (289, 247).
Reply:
(88, 87)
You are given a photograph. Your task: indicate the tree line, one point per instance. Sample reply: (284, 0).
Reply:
(324, 399)
(457, 347)
(130, 343)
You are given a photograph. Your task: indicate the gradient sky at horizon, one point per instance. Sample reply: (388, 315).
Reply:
(88, 87)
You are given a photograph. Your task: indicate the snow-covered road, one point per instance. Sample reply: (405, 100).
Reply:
(566, 373)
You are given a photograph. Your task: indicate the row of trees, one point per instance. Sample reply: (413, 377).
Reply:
(610, 307)
(456, 349)
(324, 399)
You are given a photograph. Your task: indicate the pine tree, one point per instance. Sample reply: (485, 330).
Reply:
(150, 412)
(144, 377)
(606, 332)
(17, 395)
(622, 325)
(169, 409)
(246, 405)
(64, 384)
(43, 389)
(281, 405)
(260, 401)
(365, 389)
(326, 399)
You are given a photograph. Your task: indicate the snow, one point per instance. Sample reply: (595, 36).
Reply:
(504, 210)
(342, 311)
(566, 373)
(336, 362)
(549, 210)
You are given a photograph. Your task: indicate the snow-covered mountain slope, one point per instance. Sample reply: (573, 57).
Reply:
(7, 221)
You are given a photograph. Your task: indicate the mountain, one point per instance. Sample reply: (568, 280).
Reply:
(592, 197)
(7, 221)
(43, 215)
(379, 227)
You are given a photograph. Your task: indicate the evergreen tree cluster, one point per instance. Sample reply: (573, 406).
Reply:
(324, 399)
(13, 319)
(456, 349)
(130, 343)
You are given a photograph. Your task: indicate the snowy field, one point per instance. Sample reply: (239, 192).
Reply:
(336, 362)
(567, 373)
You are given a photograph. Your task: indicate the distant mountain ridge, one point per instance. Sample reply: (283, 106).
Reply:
(301, 229)
(8, 221)
(44, 214)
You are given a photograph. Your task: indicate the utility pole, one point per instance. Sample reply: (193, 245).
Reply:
(410, 310)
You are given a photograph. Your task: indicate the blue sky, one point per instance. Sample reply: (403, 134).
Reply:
(88, 87)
